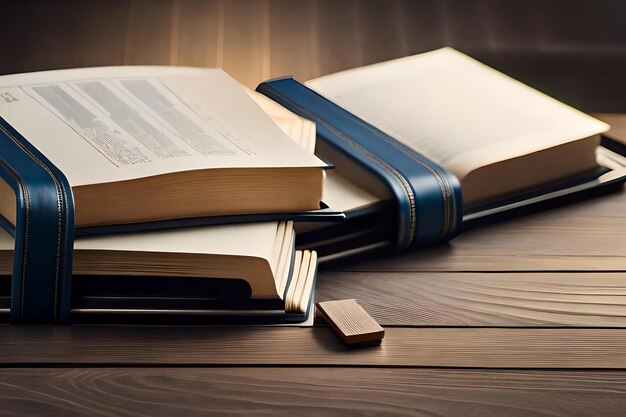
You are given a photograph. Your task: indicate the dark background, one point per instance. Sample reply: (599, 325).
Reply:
(574, 50)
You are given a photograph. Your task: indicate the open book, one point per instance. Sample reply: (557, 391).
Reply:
(143, 144)
(498, 136)
(237, 273)
(428, 144)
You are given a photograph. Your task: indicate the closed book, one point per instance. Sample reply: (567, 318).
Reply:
(234, 274)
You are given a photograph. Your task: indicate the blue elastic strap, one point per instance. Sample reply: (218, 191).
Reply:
(44, 232)
(428, 198)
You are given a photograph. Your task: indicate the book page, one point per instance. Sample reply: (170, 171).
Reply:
(341, 194)
(110, 124)
(455, 110)
(247, 239)
(338, 192)
(299, 129)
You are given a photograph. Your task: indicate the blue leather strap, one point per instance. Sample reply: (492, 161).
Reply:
(44, 232)
(429, 200)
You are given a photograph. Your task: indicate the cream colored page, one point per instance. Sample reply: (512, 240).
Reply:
(300, 130)
(338, 193)
(109, 124)
(455, 110)
(342, 195)
(270, 107)
(7, 243)
(281, 269)
(247, 239)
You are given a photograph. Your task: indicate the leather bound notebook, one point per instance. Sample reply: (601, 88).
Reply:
(438, 142)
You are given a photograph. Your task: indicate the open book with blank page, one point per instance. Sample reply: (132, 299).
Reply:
(429, 144)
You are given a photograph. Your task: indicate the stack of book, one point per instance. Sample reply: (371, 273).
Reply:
(175, 195)
(177, 190)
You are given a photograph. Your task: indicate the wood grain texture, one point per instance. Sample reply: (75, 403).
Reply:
(560, 51)
(307, 392)
(339, 35)
(350, 321)
(40, 35)
(246, 48)
(198, 33)
(536, 299)
(403, 347)
(294, 39)
(585, 236)
(149, 30)
(618, 126)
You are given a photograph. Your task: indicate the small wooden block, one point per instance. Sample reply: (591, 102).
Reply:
(351, 323)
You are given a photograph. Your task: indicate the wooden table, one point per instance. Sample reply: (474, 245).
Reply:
(523, 317)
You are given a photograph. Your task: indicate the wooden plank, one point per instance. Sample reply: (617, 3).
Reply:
(404, 347)
(545, 49)
(340, 45)
(458, 20)
(100, 34)
(425, 25)
(149, 32)
(44, 35)
(350, 321)
(246, 47)
(483, 299)
(570, 77)
(198, 33)
(294, 39)
(48, 40)
(306, 391)
(520, 27)
(381, 27)
(589, 235)
(14, 37)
